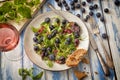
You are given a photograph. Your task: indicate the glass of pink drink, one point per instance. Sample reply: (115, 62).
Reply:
(9, 39)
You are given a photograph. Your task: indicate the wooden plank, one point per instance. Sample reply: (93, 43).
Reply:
(113, 29)
(101, 25)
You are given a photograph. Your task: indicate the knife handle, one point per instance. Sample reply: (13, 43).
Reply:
(104, 66)
(108, 58)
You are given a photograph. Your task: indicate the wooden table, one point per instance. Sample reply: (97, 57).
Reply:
(9, 69)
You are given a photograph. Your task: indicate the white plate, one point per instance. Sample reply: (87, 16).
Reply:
(28, 39)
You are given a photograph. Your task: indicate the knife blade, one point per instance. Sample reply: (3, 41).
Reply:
(95, 47)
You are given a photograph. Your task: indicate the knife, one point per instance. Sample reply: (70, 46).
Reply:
(94, 46)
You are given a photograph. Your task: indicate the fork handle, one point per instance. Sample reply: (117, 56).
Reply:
(104, 66)
(108, 59)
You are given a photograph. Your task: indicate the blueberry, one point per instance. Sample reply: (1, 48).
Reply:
(91, 7)
(72, 3)
(91, 13)
(49, 36)
(78, 15)
(87, 17)
(43, 49)
(75, 1)
(67, 8)
(36, 34)
(95, 6)
(83, 10)
(78, 6)
(59, 4)
(57, 20)
(117, 3)
(66, 42)
(52, 57)
(62, 59)
(64, 2)
(47, 20)
(77, 35)
(83, 3)
(68, 39)
(57, 0)
(64, 22)
(102, 19)
(104, 36)
(46, 54)
(73, 7)
(88, 1)
(51, 27)
(106, 10)
(55, 31)
(49, 49)
(35, 39)
(36, 48)
(57, 40)
(98, 15)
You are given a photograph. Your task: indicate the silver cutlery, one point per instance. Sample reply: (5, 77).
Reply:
(108, 59)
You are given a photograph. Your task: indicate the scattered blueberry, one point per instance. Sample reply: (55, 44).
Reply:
(73, 7)
(75, 1)
(77, 6)
(59, 4)
(83, 3)
(117, 2)
(52, 57)
(67, 8)
(57, 0)
(64, 2)
(88, 1)
(91, 13)
(72, 3)
(62, 59)
(95, 6)
(104, 36)
(98, 15)
(87, 17)
(83, 10)
(102, 19)
(78, 15)
(47, 20)
(91, 7)
(106, 10)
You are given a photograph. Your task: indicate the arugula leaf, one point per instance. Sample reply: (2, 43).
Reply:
(24, 73)
(24, 11)
(49, 63)
(34, 29)
(38, 76)
(19, 1)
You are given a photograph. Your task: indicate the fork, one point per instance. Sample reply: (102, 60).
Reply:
(108, 59)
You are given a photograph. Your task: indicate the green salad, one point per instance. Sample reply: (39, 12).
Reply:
(55, 39)
(17, 10)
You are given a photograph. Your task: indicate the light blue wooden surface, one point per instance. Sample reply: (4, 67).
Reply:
(9, 69)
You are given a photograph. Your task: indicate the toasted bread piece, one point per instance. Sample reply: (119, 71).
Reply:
(75, 58)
